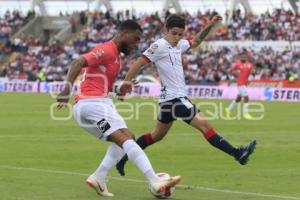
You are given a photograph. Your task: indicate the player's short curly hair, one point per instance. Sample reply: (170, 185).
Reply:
(175, 20)
(130, 25)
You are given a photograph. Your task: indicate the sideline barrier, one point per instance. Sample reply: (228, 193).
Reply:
(153, 90)
(278, 45)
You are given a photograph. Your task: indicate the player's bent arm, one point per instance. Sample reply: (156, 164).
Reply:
(74, 70)
(135, 68)
(128, 82)
(202, 35)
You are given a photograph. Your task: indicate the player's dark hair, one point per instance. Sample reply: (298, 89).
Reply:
(130, 25)
(175, 21)
(244, 53)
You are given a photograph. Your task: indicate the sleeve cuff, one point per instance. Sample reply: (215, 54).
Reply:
(88, 58)
(146, 58)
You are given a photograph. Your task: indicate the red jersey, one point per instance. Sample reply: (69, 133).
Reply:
(98, 77)
(244, 71)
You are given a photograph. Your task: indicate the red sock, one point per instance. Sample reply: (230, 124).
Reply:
(145, 140)
(209, 133)
(148, 138)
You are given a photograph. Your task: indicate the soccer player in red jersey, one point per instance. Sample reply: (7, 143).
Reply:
(95, 112)
(244, 68)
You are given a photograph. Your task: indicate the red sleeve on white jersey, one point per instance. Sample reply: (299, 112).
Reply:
(146, 58)
(95, 57)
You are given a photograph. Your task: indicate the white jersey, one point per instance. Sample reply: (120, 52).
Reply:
(168, 61)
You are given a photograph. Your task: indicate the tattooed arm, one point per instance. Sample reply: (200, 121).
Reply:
(202, 35)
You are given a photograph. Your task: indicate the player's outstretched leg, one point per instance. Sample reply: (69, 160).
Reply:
(240, 154)
(143, 141)
(243, 153)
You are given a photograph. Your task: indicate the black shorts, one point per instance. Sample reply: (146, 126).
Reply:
(177, 108)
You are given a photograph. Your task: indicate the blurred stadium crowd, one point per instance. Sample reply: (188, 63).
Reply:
(37, 61)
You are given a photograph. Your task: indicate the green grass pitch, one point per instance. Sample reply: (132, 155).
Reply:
(44, 159)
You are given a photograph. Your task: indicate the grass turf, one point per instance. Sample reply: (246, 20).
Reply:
(41, 158)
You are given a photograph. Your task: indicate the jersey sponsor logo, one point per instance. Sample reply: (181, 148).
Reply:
(163, 93)
(102, 68)
(151, 51)
(152, 48)
(103, 126)
(97, 54)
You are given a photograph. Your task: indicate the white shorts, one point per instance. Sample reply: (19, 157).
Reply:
(242, 91)
(98, 117)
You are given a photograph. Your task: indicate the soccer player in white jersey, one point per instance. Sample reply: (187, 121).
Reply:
(94, 110)
(166, 54)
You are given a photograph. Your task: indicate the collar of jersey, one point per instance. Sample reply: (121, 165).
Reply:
(169, 45)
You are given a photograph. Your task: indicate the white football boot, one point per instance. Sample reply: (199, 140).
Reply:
(99, 186)
(160, 186)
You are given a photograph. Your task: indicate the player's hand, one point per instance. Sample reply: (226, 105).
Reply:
(216, 19)
(63, 98)
(126, 87)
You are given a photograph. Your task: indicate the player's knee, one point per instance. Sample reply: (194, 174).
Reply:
(120, 136)
(127, 133)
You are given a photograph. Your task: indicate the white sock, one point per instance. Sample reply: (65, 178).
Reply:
(113, 155)
(232, 105)
(140, 159)
(245, 109)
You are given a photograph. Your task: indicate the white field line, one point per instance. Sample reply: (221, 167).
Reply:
(141, 181)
